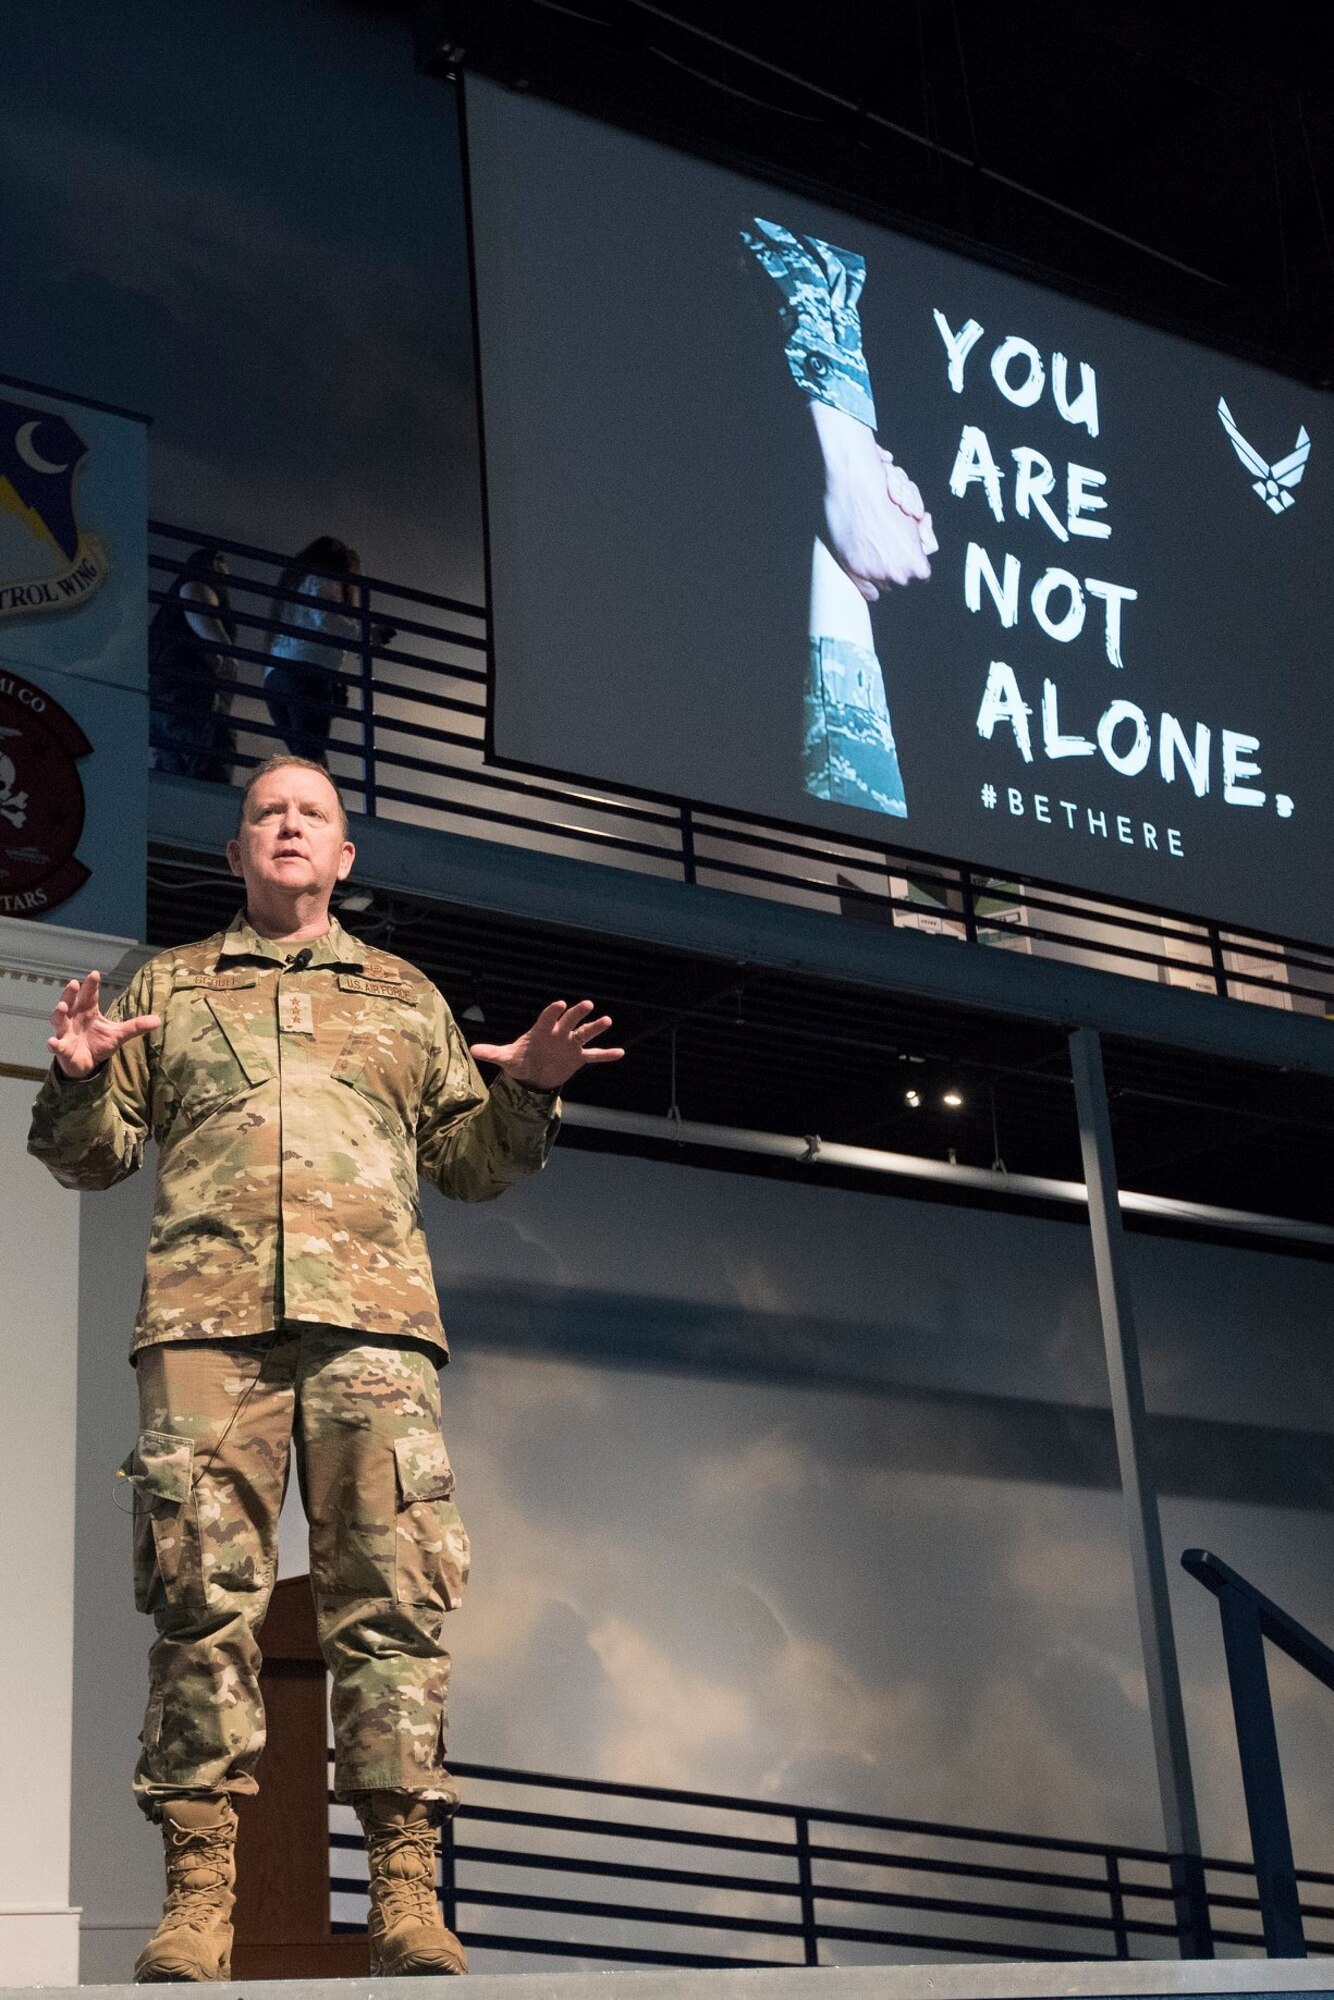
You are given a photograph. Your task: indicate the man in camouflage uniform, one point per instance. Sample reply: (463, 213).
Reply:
(297, 1084)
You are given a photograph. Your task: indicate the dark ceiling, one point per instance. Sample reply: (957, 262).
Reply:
(735, 1044)
(1172, 157)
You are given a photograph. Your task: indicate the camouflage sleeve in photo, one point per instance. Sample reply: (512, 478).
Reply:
(820, 287)
(294, 1111)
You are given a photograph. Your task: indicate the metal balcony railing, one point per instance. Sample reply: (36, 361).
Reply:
(575, 1868)
(403, 712)
(1249, 1619)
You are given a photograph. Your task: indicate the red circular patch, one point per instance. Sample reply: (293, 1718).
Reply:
(41, 800)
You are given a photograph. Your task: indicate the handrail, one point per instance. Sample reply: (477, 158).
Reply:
(1249, 1618)
(997, 1892)
(378, 708)
(1280, 1627)
(811, 1150)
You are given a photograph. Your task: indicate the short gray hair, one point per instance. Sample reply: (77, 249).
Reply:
(283, 762)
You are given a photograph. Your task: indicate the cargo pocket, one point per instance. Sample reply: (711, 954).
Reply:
(160, 1468)
(432, 1552)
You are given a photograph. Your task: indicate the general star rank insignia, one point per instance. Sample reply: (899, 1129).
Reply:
(296, 1015)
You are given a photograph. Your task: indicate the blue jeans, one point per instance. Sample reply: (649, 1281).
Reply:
(302, 701)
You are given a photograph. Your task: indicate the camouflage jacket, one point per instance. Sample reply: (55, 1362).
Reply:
(820, 285)
(293, 1109)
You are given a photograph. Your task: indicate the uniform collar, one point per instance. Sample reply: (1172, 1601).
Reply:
(242, 940)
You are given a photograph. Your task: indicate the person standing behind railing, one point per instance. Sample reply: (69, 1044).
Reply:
(191, 670)
(305, 685)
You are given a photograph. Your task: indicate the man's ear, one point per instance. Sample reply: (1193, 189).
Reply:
(234, 856)
(345, 860)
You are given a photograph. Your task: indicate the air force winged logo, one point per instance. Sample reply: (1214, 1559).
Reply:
(1274, 482)
(47, 561)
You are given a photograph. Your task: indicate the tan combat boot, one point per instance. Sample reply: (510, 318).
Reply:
(407, 1931)
(194, 1939)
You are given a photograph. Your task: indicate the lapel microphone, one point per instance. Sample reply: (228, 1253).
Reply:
(302, 959)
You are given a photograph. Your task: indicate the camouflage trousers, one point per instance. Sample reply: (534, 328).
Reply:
(388, 1552)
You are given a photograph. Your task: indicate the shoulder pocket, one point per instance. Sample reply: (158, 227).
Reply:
(384, 1056)
(232, 1019)
(209, 1051)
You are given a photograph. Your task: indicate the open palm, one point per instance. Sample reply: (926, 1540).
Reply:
(83, 1038)
(556, 1045)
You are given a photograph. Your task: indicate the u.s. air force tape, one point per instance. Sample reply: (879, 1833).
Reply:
(383, 989)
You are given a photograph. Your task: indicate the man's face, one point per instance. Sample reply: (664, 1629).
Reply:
(291, 840)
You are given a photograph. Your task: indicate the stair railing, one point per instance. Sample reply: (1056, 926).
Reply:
(1249, 1618)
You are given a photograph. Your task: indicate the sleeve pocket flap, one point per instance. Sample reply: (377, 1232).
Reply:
(162, 1466)
(424, 1471)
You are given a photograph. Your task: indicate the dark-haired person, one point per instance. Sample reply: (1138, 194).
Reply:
(191, 672)
(305, 683)
(298, 1083)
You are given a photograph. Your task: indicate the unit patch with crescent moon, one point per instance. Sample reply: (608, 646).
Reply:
(41, 800)
(47, 561)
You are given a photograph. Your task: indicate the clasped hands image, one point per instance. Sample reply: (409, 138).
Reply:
(876, 521)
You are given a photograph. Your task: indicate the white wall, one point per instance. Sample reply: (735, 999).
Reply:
(39, 1299)
(116, 1863)
(781, 1490)
(38, 1255)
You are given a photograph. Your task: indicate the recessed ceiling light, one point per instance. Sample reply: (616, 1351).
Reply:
(954, 1099)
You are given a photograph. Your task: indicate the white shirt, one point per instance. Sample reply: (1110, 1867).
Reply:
(325, 622)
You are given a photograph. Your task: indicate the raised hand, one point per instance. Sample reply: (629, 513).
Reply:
(84, 1038)
(554, 1047)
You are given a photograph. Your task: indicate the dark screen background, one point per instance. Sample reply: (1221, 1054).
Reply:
(653, 488)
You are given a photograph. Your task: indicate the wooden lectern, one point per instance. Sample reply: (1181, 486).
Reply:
(282, 1900)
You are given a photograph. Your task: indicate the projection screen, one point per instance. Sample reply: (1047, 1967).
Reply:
(792, 514)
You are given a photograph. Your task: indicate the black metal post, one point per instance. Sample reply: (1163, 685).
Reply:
(687, 844)
(368, 713)
(809, 1932)
(889, 888)
(1116, 1898)
(969, 898)
(1190, 1901)
(1217, 960)
(1262, 1776)
(448, 1885)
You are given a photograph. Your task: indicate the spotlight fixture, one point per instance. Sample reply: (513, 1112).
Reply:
(953, 1100)
(912, 1098)
(356, 901)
